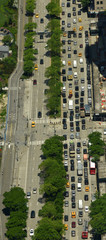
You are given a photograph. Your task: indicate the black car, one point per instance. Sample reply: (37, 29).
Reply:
(41, 61)
(64, 126)
(77, 123)
(86, 181)
(73, 186)
(74, 34)
(77, 115)
(64, 94)
(76, 101)
(66, 168)
(73, 205)
(71, 112)
(65, 137)
(77, 129)
(80, 213)
(72, 168)
(82, 93)
(79, 5)
(75, 51)
(69, 41)
(63, 41)
(80, 35)
(74, 9)
(69, 34)
(63, 22)
(63, 12)
(66, 194)
(39, 114)
(71, 118)
(63, 50)
(79, 12)
(86, 33)
(68, 4)
(71, 124)
(78, 144)
(32, 214)
(81, 105)
(64, 100)
(74, 13)
(73, 199)
(63, 71)
(76, 94)
(64, 78)
(63, 29)
(77, 109)
(86, 198)
(66, 218)
(69, 15)
(69, 55)
(85, 164)
(72, 162)
(72, 179)
(83, 127)
(41, 20)
(78, 150)
(76, 88)
(84, 151)
(81, 100)
(83, 121)
(65, 114)
(65, 146)
(64, 121)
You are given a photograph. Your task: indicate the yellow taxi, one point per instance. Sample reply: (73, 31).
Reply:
(66, 226)
(33, 124)
(67, 184)
(74, 29)
(79, 20)
(87, 189)
(36, 67)
(81, 28)
(36, 15)
(70, 77)
(80, 55)
(73, 214)
(64, 34)
(69, 63)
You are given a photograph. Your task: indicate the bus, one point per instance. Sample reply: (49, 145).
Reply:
(92, 167)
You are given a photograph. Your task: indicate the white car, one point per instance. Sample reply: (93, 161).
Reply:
(65, 163)
(75, 74)
(64, 105)
(81, 60)
(28, 195)
(31, 232)
(74, 20)
(105, 131)
(34, 190)
(64, 89)
(64, 63)
(86, 209)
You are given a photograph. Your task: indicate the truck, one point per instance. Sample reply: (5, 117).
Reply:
(75, 64)
(70, 76)
(80, 204)
(70, 93)
(72, 150)
(82, 112)
(70, 105)
(79, 168)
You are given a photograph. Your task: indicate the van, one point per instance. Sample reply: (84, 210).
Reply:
(75, 64)
(79, 187)
(80, 204)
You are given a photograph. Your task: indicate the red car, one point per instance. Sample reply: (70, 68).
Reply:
(73, 224)
(81, 45)
(34, 82)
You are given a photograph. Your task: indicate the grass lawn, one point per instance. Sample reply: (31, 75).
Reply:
(3, 12)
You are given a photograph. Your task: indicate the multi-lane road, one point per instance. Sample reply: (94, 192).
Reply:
(22, 149)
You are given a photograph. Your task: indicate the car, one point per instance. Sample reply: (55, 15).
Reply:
(73, 192)
(83, 127)
(72, 162)
(66, 194)
(65, 145)
(39, 114)
(34, 190)
(74, 21)
(86, 208)
(83, 121)
(65, 137)
(71, 118)
(63, 22)
(76, 88)
(28, 195)
(73, 224)
(73, 186)
(79, 179)
(69, 15)
(41, 36)
(74, 9)
(71, 124)
(80, 35)
(80, 221)
(68, 4)
(65, 114)
(85, 164)
(77, 109)
(33, 124)
(69, 41)
(69, 55)
(63, 4)
(86, 33)
(77, 123)
(69, 48)
(34, 82)
(36, 67)
(87, 189)
(74, 1)
(31, 232)
(105, 131)
(64, 126)
(72, 168)
(64, 78)
(75, 51)
(74, 13)
(71, 136)
(32, 214)
(86, 198)
(65, 163)
(41, 61)
(86, 181)
(64, 100)
(65, 218)
(76, 94)
(78, 144)
(67, 176)
(81, 100)
(76, 101)
(36, 15)
(73, 214)
(66, 156)
(63, 71)
(72, 179)
(73, 233)
(71, 112)
(66, 168)
(63, 50)
(63, 29)
(78, 150)
(63, 12)
(66, 203)
(68, 25)
(73, 205)
(77, 115)
(80, 213)
(66, 226)
(41, 20)
(77, 129)
(79, 12)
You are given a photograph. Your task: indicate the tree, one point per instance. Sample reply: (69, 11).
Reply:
(53, 147)
(30, 26)
(16, 233)
(15, 199)
(7, 40)
(48, 210)
(96, 146)
(10, 3)
(48, 229)
(30, 5)
(53, 8)
(29, 43)
(85, 3)
(28, 67)
(17, 219)
(98, 215)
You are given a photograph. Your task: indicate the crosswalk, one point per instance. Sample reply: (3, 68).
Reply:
(37, 143)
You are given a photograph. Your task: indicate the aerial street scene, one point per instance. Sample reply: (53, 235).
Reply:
(52, 119)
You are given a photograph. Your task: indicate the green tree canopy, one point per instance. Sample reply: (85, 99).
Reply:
(48, 210)
(30, 26)
(7, 40)
(98, 215)
(16, 233)
(96, 146)
(30, 5)
(53, 147)
(53, 8)
(85, 3)
(28, 67)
